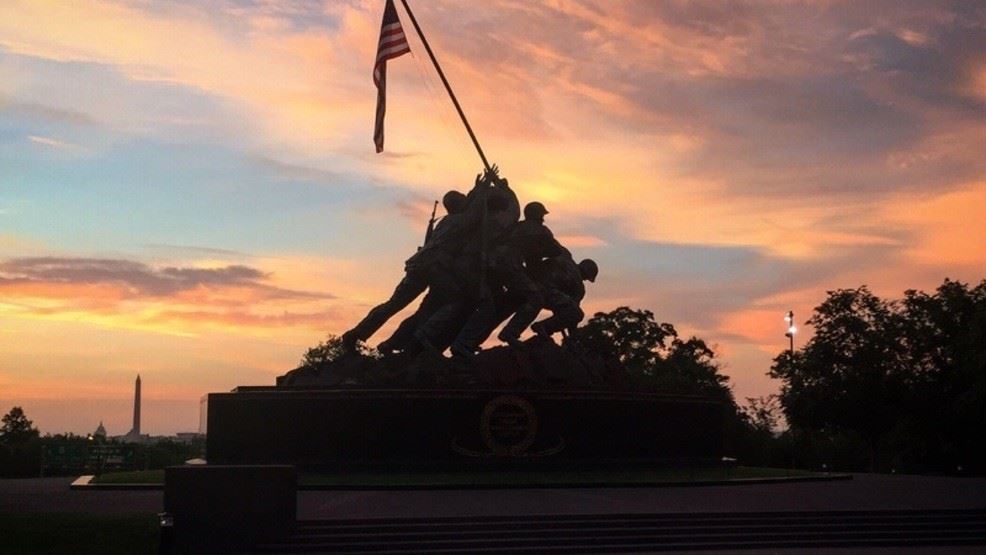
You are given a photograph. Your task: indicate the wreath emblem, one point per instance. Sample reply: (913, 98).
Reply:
(509, 425)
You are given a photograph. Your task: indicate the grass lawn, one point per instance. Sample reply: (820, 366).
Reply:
(78, 534)
(494, 478)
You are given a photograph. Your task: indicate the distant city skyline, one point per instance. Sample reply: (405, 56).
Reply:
(190, 190)
(119, 417)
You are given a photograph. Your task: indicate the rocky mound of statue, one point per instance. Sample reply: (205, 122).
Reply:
(538, 363)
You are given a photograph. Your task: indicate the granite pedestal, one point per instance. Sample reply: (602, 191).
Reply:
(427, 428)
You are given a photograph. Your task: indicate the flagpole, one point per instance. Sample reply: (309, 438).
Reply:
(445, 82)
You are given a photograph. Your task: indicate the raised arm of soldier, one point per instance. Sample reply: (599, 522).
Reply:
(472, 214)
(482, 185)
(508, 212)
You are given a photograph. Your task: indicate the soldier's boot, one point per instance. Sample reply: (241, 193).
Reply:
(510, 334)
(385, 348)
(512, 340)
(426, 343)
(462, 353)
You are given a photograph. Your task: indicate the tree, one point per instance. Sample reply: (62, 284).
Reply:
(653, 353)
(329, 350)
(763, 413)
(848, 377)
(20, 448)
(631, 336)
(16, 428)
(945, 336)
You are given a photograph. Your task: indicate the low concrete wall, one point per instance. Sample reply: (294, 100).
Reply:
(220, 508)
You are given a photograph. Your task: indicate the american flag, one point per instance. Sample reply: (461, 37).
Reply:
(392, 44)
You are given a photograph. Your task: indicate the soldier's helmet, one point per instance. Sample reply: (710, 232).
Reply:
(454, 201)
(589, 269)
(535, 211)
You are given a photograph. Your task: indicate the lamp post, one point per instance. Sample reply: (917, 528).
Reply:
(791, 328)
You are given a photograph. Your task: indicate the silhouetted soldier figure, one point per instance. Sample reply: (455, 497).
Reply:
(434, 261)
(526, 245)
(561, 279)
(480, 324)
(429, 265)
(529, 242)
(440, 327)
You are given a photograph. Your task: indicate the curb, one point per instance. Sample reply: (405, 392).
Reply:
(85, 483)
(581, 485)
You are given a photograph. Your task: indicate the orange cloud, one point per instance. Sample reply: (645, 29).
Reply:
(759, 326)
(950, 229)
(581, 241)
(171, 299)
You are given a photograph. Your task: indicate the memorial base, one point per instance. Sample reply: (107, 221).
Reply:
(430, 429)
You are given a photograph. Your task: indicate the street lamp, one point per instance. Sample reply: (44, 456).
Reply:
(791, 328)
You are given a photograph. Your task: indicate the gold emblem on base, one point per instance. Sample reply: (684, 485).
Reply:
(509, 425)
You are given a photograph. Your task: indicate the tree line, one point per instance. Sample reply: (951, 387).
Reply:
(897, 384)
(884, 385)
(23, 449)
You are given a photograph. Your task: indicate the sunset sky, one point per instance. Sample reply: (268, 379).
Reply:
(189, 190)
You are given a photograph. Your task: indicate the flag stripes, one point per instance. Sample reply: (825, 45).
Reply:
(392, 43)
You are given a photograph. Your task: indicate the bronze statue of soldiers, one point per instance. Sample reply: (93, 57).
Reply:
(488, 315)
(437, 330)
(435, 259)
(561, 279)
(513, 289)
(430, 265)
(528, 243)
(481, 265)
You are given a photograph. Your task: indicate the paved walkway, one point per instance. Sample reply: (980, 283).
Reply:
(864, 492)
(52, 495)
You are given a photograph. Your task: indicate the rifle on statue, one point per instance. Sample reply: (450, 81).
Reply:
(431, 225)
